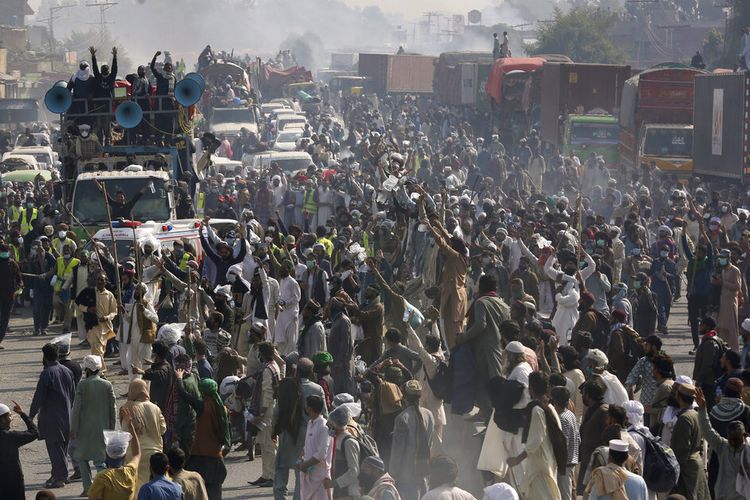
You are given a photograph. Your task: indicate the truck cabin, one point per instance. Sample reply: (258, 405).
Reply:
(667, 141)
(350, 85)
(152, 191)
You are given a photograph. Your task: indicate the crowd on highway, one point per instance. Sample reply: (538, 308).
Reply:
(414, 271)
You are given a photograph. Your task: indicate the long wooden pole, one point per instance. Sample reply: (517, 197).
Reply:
(118, 298)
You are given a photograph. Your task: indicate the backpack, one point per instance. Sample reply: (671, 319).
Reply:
(441, 384)
(632, 347)
(367, 446)
(660, 468)
(600, 333)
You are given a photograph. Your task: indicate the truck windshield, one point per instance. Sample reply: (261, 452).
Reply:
(594, 133)
(232, 115)
(670, 142)
(89, 208)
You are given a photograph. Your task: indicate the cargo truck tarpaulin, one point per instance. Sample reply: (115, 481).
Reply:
(503, 66)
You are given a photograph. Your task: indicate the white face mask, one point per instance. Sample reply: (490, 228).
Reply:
(62, 234)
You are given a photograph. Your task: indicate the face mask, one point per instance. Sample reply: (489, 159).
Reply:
(30, 205)
(456, 212)
(62, 234)
(724, 210)
(600, 243)
(232, 278)
(4, 255)
(637, 285)
(664, 253)
(179, 252)
(310, 264)
(713, 227)
(636, 251)
(723, 261)
(66, 255)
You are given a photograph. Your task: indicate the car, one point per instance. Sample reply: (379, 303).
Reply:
(12, 162)
(45, 156)
(283, 121)
(26, 175)
(39, 139)
(289, 161)
(286, 140)
(230, 121)
(272, 107)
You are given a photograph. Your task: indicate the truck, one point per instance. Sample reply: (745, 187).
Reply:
(398, 73)
(457, 77)
(514, 90)
(656, 119)
(721, 149)
(579, 106)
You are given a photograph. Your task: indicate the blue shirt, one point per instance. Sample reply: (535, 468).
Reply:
(204, 369)
(160, 489)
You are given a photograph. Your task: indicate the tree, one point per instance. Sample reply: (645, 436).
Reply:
(581, 34)
(713, 49)
(80, 41)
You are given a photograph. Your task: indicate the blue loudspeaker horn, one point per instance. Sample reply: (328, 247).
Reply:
(129, 114)
(58, 98)
(187, 92)
(198, 78)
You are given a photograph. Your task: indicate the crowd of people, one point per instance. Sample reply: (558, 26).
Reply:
(417, 275)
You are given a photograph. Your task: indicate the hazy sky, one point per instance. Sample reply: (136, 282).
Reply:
(414, 8)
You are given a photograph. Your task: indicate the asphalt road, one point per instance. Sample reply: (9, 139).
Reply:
(21, 363)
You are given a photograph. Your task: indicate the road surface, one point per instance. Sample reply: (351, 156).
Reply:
(22, 362)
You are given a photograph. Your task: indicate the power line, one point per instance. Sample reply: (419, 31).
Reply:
(53, 15)
(103, 6)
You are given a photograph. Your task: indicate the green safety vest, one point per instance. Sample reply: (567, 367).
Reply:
(310, 205)
(64, 272)
(15, 213)
(26, 226)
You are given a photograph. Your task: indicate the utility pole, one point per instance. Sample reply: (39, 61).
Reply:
(103, 6)
(53, 15)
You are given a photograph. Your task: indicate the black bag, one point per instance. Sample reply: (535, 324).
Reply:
(660, 468)
(367, 446)
(442, 383)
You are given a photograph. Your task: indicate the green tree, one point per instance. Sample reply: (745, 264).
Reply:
(80, 41)
(581, 34)
(713, 49)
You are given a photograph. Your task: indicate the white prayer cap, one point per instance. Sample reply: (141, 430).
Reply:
(92, 363)
(169, 333)
(618, 445)
(224, 290)
(500, 491)
(227, 385)
(117, 443)
(746, 324)
(598, 357)
(634, 411)
(515, 347)
(683, 379)
(4, 409)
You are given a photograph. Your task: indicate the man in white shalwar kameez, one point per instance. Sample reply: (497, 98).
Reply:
(499, 445)
(540, 479)
(567, 297)
(286, 331)
(317, 454)
(139, 312)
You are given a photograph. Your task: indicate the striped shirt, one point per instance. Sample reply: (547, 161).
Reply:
(570, 431)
